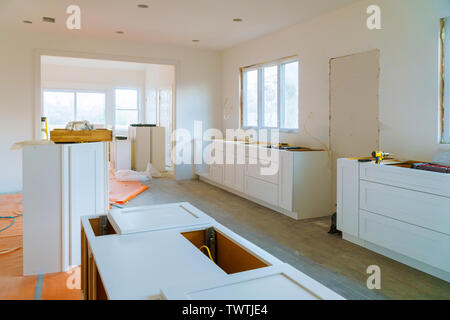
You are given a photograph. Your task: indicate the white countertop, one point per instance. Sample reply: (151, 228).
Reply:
(142, 265)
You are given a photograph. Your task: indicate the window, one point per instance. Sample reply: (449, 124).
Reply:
(270, 95)
(63, 106)
(445, 75)
(127, 106)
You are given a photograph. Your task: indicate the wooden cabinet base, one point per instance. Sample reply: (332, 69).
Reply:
(91, 283)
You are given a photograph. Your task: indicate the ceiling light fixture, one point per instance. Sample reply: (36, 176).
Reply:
(195, 40)
(237, 20)
(120, 32)
(27, 21)
(48, 19)
(143, 6)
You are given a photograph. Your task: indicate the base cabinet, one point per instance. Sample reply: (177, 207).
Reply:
(61, 183)
(297, 184)
(397, 211)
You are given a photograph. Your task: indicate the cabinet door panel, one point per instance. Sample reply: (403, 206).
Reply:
(424, 245)
(239, 174)
(348, 196)
(286, 183)
(256, 171)
(229, 178)
(88, 190)
(262, 190)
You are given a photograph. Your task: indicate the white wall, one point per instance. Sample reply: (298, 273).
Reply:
(409, 87)
(197, 76)
(55, 76)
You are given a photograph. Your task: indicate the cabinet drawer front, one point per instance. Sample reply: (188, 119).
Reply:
(425, 181)
(261, 190)
(418, 208)
(420, 244)
(216, 173)
(256, 170)
(229, 176)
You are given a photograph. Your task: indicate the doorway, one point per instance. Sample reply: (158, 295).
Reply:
(110, 94)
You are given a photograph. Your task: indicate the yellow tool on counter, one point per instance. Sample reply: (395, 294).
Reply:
(44, 127)
(379, 156)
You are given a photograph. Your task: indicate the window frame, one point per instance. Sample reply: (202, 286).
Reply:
(280, 94)
(138, 107)
(75, 91)
(444, 85)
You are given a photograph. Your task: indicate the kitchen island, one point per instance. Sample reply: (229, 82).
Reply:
(163, 258)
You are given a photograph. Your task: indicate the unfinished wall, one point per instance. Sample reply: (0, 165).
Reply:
(198, 87)
(409, 82)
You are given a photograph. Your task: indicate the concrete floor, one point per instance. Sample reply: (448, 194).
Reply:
(306, 245)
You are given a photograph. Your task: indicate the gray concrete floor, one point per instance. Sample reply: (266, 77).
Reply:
(306, 245)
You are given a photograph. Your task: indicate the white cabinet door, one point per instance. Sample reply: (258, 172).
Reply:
(348, 196)
(262, 190)
(88, 189)
(286, 180)
(229, 175)
(42, 209)
(216, 173)
(257, 171)
(239, 173)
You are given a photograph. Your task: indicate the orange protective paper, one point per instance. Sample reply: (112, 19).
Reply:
(123, 191)
(13, 285)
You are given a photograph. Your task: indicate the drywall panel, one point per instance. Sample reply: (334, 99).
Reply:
(354, 127)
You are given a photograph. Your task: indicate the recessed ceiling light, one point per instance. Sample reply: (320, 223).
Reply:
(120, 32)
(48, 19)
(237, 20)
(143, 6)
(195, 40)
(27, 21)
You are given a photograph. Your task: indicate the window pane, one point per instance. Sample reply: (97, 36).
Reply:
(124, 118)
(91, 107)
(126, 99)
(251, 98)
(58, 108)
(271, 96)
(290, 93)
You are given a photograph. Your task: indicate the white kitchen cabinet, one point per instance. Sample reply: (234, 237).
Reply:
(396, 211)
(148, 145)
(348, 196)
(61, 183)
(121, 154)
(294, 183)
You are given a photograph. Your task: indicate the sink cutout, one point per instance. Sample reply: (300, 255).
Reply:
(101, 226)
(228, 255)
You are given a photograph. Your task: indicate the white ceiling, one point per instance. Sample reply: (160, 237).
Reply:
(167, 21)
